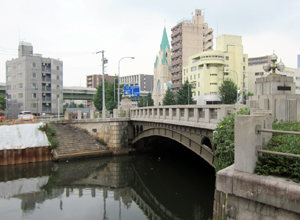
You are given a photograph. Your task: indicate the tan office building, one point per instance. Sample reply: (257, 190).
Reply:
(188, 38)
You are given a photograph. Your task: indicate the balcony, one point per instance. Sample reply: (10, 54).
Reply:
(176, 77)
(177, 69)
(176, 39)
(46, 99)
(174, 33)
(176, 85)
(176, 62)
(176, 47)
(209, 37)
(208, 46)
(208, 31)
(178, 54)
(46, 79)
(46, 109)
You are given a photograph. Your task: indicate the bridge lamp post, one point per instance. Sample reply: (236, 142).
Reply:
(119, 78)
(280, 66)
(237, 89)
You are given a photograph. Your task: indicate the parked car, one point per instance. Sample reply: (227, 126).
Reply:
(25, 115)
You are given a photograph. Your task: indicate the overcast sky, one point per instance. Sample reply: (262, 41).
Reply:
(73, 30)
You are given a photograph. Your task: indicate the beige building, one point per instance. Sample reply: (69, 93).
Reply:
(207, 70)
(162, 70)
(92, 81)
(255, 70)
(188, 38)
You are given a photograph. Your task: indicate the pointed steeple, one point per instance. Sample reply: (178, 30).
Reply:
(164, 41)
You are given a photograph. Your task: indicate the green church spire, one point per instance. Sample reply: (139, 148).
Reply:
(164, 41)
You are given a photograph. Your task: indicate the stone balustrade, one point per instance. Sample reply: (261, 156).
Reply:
(190, 115)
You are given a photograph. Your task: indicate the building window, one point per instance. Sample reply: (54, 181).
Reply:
(20, 85)
(243, 59)
(198, 84)
(213, 84)
(34, 95)
(57, 77)
(225, 74)
(9, 96)
(33, 75)
(20, 95)
(33, 85)
(57, 96)
(198, 75)
(19, 65)
(57, 67)
(187, 70)
(213, 74)
(259, 73)
(8, 69)
(243, 67)
(57, 86)
(297, 78)
(33, 65)
(200, 67)
(8, 87)
(191, 77)
(194, 68)
(20, 76)
(8, 78)
(20, 105)
(198, 92)
(33, 105)
(227, 57)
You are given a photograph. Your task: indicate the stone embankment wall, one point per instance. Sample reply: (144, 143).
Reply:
(114, 131)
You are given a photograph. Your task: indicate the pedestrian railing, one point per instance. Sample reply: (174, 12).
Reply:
(277, 132)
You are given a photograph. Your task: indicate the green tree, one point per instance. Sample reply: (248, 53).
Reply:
(169, 98)
(72, 105)
(145, 101)
(228, 92)
(80, 105)
(111, 95)
(2, 101)
(184, 95)
(65, 106)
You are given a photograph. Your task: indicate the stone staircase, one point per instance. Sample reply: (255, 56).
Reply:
(74, 142)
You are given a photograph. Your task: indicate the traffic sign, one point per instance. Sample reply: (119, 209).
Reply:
(132, 91)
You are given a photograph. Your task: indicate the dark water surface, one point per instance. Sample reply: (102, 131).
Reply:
(166, 184)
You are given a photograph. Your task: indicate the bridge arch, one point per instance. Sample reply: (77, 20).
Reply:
(199, 148)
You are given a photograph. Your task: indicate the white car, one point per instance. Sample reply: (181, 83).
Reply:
(25, 115)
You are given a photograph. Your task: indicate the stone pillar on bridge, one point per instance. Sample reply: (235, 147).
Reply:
(177, 114)
(92, 112)
(207, 115)
(248, 140)
(79, 114)
(67, 115)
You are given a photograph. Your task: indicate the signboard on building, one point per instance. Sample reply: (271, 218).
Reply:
(132, 91)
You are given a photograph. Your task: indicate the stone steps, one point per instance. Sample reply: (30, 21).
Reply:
(74, 141)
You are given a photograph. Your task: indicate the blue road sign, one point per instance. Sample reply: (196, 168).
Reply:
(132, 91)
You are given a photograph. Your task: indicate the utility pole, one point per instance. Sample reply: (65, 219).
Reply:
(104, 61)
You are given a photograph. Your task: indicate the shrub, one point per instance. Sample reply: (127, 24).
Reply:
(50, 132)
(269, 164)
(224, 140)
(101, 141)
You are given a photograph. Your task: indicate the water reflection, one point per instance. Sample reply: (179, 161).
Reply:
(127, 187)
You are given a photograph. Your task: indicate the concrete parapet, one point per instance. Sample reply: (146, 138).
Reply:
(250, 196)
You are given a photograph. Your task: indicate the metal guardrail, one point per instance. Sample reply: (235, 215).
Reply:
(278, 132)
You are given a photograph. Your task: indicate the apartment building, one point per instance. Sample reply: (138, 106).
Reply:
(255, 70)
(207, 70)
(34, 83)
(189, 37)
(92, 81)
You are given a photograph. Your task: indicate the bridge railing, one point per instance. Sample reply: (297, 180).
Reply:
(185, 113)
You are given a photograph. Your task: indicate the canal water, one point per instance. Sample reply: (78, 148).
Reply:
(169, 183)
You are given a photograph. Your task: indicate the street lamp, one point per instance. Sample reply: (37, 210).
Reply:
(119, 79)
(114, 88)
(237, 89)
(280, 66)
